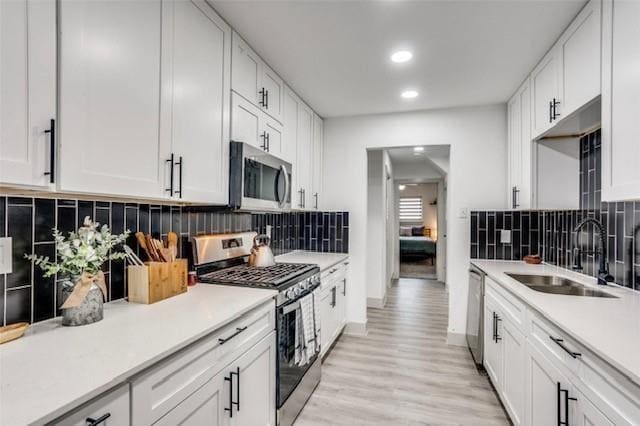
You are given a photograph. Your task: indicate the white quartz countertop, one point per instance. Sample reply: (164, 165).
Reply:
(53, 369)
(608, 327)
(323, 260)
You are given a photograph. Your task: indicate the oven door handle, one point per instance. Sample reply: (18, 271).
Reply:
(283, 200)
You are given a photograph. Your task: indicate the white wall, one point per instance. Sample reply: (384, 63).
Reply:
(477, 179)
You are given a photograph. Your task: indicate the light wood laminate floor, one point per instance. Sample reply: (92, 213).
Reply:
(403, 372)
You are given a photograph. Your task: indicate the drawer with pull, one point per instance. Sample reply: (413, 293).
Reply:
(161, 388)
(111, 408)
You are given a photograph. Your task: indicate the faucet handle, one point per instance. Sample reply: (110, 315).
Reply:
(577, 263)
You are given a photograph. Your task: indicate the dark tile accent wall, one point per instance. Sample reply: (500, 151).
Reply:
(550, 233)
(25, 295)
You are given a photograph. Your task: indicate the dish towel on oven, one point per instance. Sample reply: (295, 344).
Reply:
(306, 333)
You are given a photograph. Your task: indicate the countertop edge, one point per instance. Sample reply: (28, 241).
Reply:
(621, 369)
(344, 256)
(131, 373)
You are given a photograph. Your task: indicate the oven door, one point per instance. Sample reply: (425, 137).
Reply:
(258, 180)
(289, 373)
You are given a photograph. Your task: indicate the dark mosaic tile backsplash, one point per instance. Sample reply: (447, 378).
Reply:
(25, 295)
(550, 233)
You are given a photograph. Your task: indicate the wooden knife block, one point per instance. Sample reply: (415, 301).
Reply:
(156, 281)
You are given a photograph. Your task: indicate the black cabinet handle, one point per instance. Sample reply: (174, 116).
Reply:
(170, 161)
(498, 319)
(52, 146)
(333, 297)
(315, 196)
(560, 342)
(264, 145)
(181, 164)
(567, 398)
(268, 142)
(344, 287)
(237, 403)
(266, 102)
(514, 197)
(304, 198)
(239, 330)
(96, 422)
(550, 112)
(555, 112)
(262, 101)
(230, 380)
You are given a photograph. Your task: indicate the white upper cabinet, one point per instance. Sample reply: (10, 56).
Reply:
(301, 195)
(290, 126)
(545, 90)
(580, 46)
(520, 147)
(109, 98)
(255, 81)
(250, 125)
(196, 117)
(620, 101)
(27, 91)
(316, 161)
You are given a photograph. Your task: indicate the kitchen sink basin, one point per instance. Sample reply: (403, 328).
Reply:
(554, 284)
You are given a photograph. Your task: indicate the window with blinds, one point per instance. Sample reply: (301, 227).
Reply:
(410, 209)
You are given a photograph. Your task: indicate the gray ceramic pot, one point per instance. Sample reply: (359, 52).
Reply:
(89, 311)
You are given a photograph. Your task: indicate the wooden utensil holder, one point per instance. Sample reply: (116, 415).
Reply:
(156, 281)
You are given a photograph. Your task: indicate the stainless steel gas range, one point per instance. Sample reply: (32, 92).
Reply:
(221, 259)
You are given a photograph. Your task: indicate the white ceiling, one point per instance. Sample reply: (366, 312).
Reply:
(431, 163)
(335, 54)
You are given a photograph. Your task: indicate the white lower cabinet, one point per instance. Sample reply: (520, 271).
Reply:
(111, 409)
(332, 295)
(544, 377)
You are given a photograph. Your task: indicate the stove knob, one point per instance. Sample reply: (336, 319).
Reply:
(290, 294)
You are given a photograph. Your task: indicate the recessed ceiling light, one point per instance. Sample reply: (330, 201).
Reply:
(401, 187)
(418, 148)
(409, 94)
(417, 153)
(401, 56)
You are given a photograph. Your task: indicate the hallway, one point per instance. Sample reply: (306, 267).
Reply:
(402, 371)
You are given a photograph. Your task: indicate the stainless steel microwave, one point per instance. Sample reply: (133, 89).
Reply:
(258, 180)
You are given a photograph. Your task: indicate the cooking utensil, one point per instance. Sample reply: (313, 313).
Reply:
(132, 257)
(155, 256)
(143, 243)
(261, 254)
(12, 331)
(161, 251)
(172, 241)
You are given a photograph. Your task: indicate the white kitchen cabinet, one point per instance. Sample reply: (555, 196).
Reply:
(111, 409)
(492, 349)
(301, 193)
(547, 391)
(520, 148)
(317, 161)
(197, 82)
(109, 99)
(289, 126)
(254, 80)
(620, 96)
(545, 91)
(204, 407)
(249, 124)
(332, 295)
(581, 57)
(254, 385)
(28, 87)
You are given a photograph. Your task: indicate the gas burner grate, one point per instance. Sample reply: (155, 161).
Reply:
(270, 276)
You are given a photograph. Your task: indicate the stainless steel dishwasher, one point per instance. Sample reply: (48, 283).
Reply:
(475, 314)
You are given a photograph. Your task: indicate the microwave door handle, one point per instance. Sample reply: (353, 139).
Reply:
(283, 200)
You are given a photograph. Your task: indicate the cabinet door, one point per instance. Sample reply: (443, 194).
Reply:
(246, 122)
(581, 55)
(545, 399)
(255, 385)
(200, 83)
(514, 111)
(246, 74)
(316, 161)
(589, 415)
(520, 147)
(326, 315)
(289, 126)
(203, 407)
(620, 93)
(273, 86)
(109, 98)
(341, 304)
(301, 193)
(274, 133)
(28, 88)
(513, 373)
(545, 84)
(492, 348)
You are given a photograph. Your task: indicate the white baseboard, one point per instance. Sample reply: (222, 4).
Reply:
(456, 339)
(376, 302)
(356, 328)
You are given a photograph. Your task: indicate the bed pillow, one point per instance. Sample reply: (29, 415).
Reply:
(405, 231)
(417, 231)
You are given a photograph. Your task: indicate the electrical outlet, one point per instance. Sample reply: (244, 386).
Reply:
(463, 213)
(505, 236)
(268, 232)
(5, 255)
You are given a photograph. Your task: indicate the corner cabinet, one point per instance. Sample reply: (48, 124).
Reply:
(620, 96)
(144, 108)
(519, 148)
(28, 87)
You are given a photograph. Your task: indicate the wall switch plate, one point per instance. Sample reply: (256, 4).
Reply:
(268, 231)
(463, 213)
(505, 236)
(6, 255)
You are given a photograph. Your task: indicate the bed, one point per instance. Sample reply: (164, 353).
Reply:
(417, 247)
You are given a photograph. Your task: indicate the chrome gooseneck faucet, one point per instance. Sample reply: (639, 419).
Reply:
(603, 270)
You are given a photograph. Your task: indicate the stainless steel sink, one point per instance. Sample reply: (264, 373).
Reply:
(558, 285)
